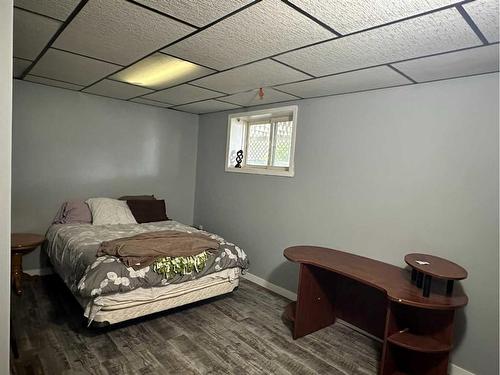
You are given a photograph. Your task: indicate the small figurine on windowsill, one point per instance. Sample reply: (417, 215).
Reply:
(239, 159)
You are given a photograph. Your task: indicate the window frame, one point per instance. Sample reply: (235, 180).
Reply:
(269, 169)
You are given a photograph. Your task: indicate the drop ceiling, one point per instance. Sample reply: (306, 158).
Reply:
(210, 55)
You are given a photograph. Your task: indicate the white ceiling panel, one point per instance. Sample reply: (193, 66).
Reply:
(19, 66)
(484, 13)
(69, 67)
(347, 16)
(51, 82)
(454, 64)
(436, 32)
(182, 94)
(260, 74)
(250, 98)
(52, 8)
(207, 106)
(262, 30)
(32, 33)
(198, 13)
(151, 102)
(366, 79)
(118, 31)
(118, 90)
(160, 71)
(109, 35)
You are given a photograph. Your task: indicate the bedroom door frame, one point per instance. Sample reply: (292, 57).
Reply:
(6, 42)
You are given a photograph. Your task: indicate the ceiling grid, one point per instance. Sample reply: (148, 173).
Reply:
(206, 56)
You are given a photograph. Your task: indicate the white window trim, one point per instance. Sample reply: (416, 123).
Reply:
(270, 171)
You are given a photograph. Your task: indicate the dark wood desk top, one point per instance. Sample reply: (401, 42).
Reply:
(437, 267)
(25, 241)
(394, 281)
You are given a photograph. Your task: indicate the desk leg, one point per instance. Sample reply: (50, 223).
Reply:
(427, 285)
(17, 272)
(414, 273)
(314, 309)
(449, 287)
(13, 342)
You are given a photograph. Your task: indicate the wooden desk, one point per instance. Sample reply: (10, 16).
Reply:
(380, 299)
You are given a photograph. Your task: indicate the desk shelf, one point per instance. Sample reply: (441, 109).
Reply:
(419, 343)
(400, 360)
(417, 340)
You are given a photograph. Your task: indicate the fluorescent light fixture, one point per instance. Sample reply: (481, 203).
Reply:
(160, 71)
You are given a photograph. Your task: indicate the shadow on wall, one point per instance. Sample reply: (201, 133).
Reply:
(42, 258)
(460, 326)
(286, 275)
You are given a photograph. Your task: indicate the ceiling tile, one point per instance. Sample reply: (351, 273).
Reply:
(251, 98)
(347, 16)
(118, 31)
(454, 64)
(32, 33)
(484, 13)
(52, 8)
(69, 67)
(436, 32)
(198, 13)
(19, 66)
(260, 74)
(51, 82)
(259, 31)
(182, 94)
(151, 102)
(118, 90)
(359, 80)
(160, 71)
(207, 106)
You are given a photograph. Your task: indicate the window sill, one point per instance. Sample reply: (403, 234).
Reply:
(269, 172)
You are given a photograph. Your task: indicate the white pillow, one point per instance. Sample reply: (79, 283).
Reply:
(110, 211)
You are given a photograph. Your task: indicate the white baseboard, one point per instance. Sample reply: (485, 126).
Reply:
(272, 287)
(454, 369)
(39, 271)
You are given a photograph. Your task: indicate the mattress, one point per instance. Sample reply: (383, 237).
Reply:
(140, 302)
(72, 251)
(111, 292)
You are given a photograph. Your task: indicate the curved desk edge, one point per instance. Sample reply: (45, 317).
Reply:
(390, 279)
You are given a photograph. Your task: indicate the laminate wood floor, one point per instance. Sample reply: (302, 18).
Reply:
(240, 333)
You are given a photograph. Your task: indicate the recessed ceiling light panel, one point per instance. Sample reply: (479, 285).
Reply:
(160, 71)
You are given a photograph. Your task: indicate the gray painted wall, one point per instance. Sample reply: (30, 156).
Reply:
(69, 145)
(381, 174)
(6, 10)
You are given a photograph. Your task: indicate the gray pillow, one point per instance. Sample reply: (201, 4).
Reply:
(73, 212)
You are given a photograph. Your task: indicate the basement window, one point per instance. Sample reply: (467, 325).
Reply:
(262, 142)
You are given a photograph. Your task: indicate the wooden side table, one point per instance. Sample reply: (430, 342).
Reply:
(21, 244)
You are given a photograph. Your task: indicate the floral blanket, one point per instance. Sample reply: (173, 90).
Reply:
(72, 250)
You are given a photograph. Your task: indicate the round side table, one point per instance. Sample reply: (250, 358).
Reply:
(22, 244)
(425, 267)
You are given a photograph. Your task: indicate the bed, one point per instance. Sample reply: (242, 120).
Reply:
(110, 292)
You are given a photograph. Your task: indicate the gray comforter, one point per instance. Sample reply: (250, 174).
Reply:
(72, 250)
